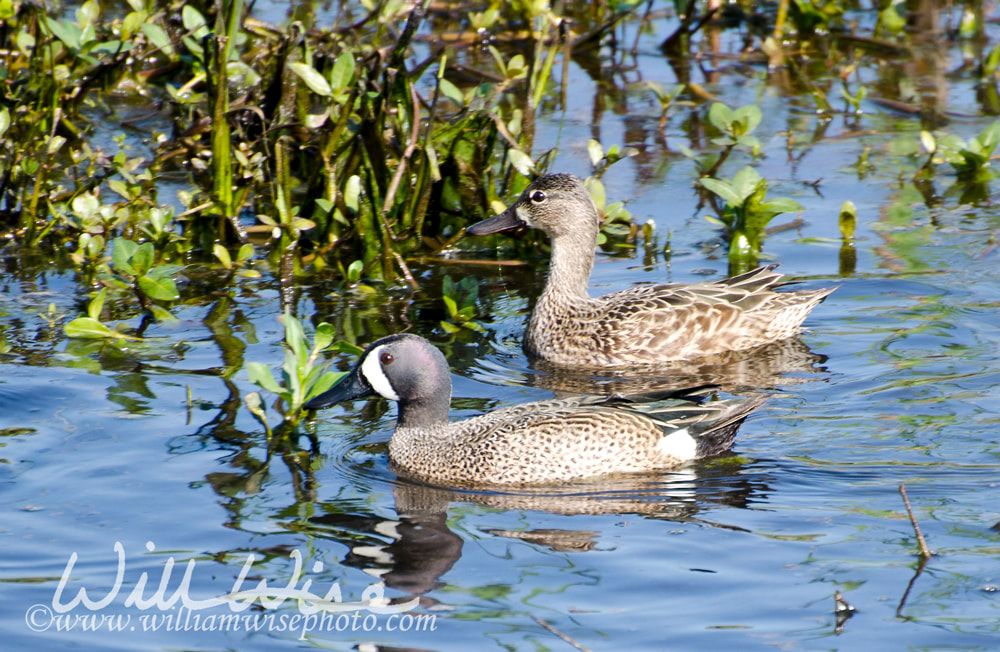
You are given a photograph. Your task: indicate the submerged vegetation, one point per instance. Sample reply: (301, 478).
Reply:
(341, 153)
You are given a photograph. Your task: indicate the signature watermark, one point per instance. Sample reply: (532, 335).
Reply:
(166, 609)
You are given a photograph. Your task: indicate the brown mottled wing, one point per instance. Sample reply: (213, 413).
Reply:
(669, 321)
(677, 321)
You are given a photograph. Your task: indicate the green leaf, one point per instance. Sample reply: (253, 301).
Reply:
(194, 21)
(290, 377)
(521, 161)
(245, 253)
(158, 37)
(96, 305)
(595, 151)
(4, 120)
(295, 337)
(721, 117)
(348, 348)
(166, 270)
(120, 187)
(254, 403)
(597, 192)
(162, 315)
(992, 62)
(88, 328)
(323, 337)
(780, 205)
(452, 92)
(142, 258)
(432, 161)
(516, 68)
(352, 193)
(498, 58)
(927, 140)
(54, 144)
(260, 375)
(343, 71)
(450, 305)
(450, 328)
(747, 182)
(848, 219)
(86, 206)
(315, 81)
(748, 116)
(323, 383)
(88, 13)
(890, 19)
(222, 254)
(989, 138)
(723, 189)
(65, 31)
(354, 271)
(162, 288)
(122, 250)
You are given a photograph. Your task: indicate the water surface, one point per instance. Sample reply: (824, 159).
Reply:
(149, 447)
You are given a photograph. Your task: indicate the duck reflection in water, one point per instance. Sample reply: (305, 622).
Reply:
(414, 551)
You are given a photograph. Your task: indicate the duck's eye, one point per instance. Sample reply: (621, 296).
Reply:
(385, 358)
(538, 196)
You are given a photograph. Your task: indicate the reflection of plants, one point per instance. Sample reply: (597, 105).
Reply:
(853, 99)
(460, 300)
(301, 377)
(746, 214)
(667, 100)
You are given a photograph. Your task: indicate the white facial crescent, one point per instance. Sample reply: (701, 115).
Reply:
(371, 369)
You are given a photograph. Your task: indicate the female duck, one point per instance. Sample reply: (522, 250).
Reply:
(641, 325)
(540, 442)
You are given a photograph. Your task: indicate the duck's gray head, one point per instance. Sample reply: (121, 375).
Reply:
(403, 368)
(558, 204)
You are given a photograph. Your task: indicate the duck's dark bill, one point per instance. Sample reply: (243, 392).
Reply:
(350, 387)
(502, 222)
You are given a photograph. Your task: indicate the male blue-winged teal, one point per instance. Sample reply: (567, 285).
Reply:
(532, 443)
(642, 325)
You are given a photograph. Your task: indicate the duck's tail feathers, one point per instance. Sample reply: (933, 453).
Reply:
(715, 435)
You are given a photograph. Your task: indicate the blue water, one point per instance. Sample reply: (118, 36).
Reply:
(149, 446)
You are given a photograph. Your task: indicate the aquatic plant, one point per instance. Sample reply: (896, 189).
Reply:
(746, 214)
(302, 374)
(460, 301)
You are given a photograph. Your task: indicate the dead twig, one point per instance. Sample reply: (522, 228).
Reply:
(924, 551)
(560, 634)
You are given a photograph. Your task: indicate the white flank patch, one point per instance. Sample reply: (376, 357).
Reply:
(678, 445)
(371, 369)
